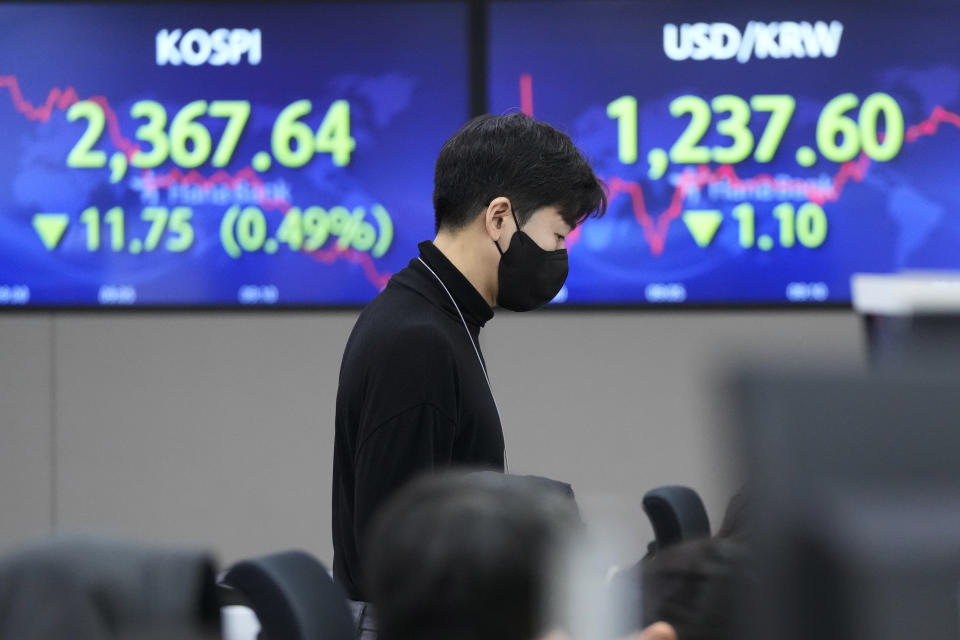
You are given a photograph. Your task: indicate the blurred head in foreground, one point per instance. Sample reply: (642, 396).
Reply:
(85, 587)
(464, 557)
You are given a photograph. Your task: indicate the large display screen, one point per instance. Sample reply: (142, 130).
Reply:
(755, 152)
(199, 155)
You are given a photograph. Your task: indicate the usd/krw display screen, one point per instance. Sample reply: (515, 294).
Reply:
(754, 153)
(220, 154)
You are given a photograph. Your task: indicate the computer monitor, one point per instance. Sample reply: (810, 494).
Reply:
(221, 154)
(756, 152)
(855, 479)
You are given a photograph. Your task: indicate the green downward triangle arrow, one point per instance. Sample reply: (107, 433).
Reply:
(703, 225)
(50, 228)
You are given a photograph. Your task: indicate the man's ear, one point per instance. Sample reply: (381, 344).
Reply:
(496, 215)
(658, 631)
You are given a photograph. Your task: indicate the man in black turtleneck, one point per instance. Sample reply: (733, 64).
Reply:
(414, 394)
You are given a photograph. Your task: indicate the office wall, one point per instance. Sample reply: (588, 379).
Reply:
(215, 429)
(26, 426)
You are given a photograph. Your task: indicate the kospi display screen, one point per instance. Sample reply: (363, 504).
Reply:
(220, 154)
(755, 153)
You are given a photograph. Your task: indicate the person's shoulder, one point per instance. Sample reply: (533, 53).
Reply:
(415, 335)
(412, 359)
(400, 330)
(393, 305)
(398, 314)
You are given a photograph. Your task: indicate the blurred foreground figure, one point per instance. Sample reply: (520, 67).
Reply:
(691, 590)
(855, 495)
(467, 557)
(86, 588)
(480, 557)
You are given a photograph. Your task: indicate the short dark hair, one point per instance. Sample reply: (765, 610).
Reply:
(466, 557)
(695, 586)
(515, 156)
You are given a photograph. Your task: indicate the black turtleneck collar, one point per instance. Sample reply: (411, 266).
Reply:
(475, 309)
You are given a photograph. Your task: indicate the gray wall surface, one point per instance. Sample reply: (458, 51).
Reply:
(216, 429)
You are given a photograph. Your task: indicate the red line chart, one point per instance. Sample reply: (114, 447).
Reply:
(526, 94)
(656, 227)
(61, 100)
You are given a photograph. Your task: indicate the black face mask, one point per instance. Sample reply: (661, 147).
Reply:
(529, 277)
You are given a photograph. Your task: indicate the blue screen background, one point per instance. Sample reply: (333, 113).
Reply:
(402, 67)
(901, 214)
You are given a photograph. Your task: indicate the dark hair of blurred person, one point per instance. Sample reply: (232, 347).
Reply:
(461, 557)
(693, 587)
(92, 587)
